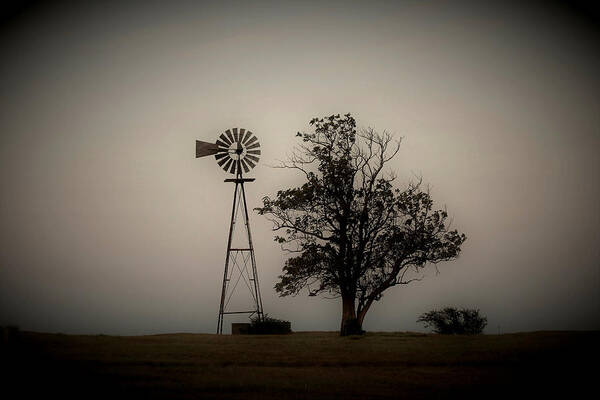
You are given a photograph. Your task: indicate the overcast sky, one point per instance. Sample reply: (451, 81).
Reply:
(110, 225)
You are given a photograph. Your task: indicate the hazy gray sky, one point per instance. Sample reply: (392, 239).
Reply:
(109, 224)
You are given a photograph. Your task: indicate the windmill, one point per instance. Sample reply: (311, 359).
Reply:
(237, 150)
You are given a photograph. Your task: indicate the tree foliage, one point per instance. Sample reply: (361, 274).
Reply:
(351, 232)
(464, 321)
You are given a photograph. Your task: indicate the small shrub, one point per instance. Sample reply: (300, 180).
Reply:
(269, 326)
(449, 321)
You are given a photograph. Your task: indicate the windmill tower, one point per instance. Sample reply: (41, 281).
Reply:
(237, 150)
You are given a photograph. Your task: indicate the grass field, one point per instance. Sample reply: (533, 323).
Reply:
(304, 365)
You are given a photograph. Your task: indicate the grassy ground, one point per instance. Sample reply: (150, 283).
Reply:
(315, 365)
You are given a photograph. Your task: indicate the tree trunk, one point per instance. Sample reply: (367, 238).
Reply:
(350, 324)
(363, 311)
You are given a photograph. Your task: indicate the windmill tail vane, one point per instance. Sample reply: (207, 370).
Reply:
(237, 150)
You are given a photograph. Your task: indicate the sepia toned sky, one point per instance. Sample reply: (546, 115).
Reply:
(110, 225)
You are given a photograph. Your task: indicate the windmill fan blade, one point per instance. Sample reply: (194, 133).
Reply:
(205, 149)
(220, 155)
(222, 144)
(250, 163)
(255, 145)
(232, 170)
(252, 140)
(228, 133)
(245, 165)
(248, 134)
(227, 164)
(223, 161)
(235, 135)
(241, 135)
(255, 152)
(255, 159)
(225, 140)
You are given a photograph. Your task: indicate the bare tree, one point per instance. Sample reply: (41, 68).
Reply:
(352, 234)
